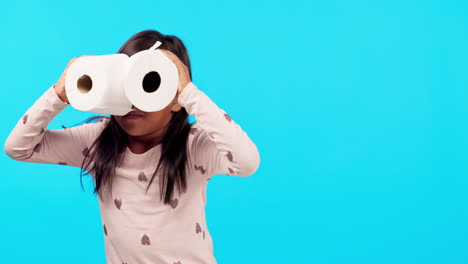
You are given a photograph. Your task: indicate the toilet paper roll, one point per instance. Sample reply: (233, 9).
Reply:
(95, 84)
(152, 80)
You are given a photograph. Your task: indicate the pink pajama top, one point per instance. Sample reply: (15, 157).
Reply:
(137, 226)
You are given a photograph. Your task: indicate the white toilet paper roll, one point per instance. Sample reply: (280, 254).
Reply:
(95, 84)
(152, 80)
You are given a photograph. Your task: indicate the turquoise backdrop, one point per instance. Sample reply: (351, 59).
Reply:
(358, 107)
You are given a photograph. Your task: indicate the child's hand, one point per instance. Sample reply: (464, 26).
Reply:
(60, 85)
(184, 75)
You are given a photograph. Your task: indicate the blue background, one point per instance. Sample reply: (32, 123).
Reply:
(358, 109)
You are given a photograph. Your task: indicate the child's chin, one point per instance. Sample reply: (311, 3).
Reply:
(135, 132)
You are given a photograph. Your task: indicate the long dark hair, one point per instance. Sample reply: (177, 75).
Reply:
(107, 150)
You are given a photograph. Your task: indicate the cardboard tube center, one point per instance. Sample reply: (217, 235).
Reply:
(85, 84)
(151, 82)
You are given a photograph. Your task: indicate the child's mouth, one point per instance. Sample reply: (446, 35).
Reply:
(132, 115)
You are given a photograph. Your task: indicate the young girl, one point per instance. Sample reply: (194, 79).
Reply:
(137, 161)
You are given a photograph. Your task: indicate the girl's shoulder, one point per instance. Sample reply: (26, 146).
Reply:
(199, 140)
(88, 130)
(196, 133)
(95, 123)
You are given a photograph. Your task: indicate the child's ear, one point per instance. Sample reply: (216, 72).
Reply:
(176, 107)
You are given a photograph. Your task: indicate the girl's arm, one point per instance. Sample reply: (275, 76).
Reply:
(219, 145)
(31, 141)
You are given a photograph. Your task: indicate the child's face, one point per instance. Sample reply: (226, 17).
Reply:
(148, 124)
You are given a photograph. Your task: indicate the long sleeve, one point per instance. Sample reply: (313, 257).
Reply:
(31, 141)
(219, 145)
